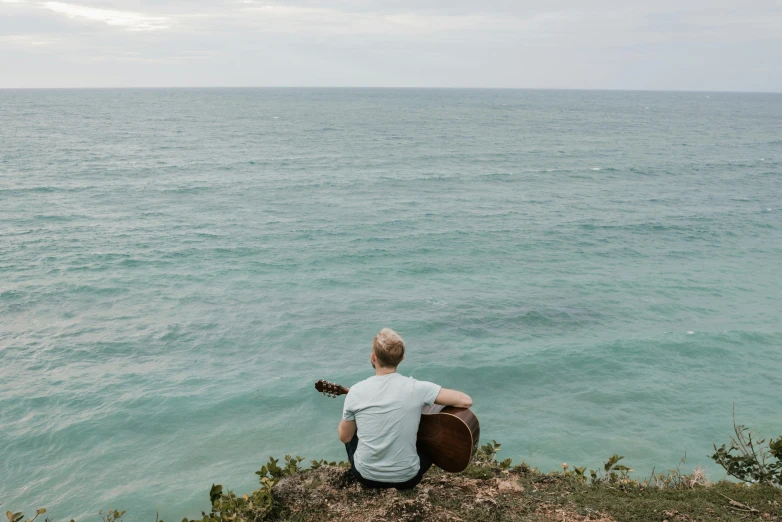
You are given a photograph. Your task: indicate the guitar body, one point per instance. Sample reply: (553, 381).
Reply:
(449, 436)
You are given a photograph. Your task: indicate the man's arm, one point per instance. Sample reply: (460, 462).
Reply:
(448, 397)
(346, 430)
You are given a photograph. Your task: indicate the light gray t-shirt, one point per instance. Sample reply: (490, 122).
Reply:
(387, 411)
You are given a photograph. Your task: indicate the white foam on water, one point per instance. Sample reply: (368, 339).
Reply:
(432, 301)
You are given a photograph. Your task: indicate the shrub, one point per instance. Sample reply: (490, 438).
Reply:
(486, 457)
(17, 517)
(260, 504)
(751, 460)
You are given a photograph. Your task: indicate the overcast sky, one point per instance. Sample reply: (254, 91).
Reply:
(578, 44)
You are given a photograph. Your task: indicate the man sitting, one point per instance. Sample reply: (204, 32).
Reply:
(381, 416)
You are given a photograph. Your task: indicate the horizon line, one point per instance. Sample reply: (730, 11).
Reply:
(366, 87)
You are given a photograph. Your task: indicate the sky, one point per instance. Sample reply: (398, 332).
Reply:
(709, 45)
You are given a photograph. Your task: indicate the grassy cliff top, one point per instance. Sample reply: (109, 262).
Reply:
(330, 493)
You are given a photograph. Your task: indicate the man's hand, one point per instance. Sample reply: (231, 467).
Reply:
(448, 397)
(346, 430)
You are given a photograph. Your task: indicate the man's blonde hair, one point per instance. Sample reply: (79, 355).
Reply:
(389, 348)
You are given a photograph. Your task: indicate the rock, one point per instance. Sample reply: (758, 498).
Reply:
(509, 486)
(415, 509)
(291, 489)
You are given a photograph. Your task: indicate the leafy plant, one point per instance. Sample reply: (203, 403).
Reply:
(578, 473)
(260, 504)
(17, 517)
(612, 472)
(487, 456)
(112, 515)
(315, 464)
(523, 467)
(271, 469)
(488, 452)
(750, 460)
(485, 464)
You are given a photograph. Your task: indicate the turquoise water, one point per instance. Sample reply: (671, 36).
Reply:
(599, 270)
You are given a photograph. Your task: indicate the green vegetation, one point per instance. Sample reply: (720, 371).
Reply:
(750, 460)
(260, 504)
(492, 489)
(17, 517)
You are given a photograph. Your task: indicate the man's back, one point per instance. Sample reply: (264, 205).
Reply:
(387, 411)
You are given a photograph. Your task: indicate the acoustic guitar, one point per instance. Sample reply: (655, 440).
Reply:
(448, 435)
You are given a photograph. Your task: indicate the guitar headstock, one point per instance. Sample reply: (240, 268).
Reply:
(329, 389)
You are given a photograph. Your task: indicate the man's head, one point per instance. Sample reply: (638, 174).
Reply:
(388, 349)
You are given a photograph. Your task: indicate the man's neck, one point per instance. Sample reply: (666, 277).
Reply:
(379, 371)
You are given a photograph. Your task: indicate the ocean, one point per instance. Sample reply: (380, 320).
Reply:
(600, 271)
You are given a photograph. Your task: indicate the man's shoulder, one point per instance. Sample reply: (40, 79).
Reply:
(420, 383)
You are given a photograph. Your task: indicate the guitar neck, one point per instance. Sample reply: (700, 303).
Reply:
(331, 389)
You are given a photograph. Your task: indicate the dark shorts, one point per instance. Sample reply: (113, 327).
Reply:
(426, 463)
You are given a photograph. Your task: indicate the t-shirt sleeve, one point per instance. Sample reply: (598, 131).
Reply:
(427, 391)
(348, 411)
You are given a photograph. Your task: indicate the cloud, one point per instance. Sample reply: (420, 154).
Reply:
(650, 44)
(124, 19)
(321, 19)
(23, 40)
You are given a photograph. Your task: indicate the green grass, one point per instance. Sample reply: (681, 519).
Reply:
(624, 503)
(703, 503)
